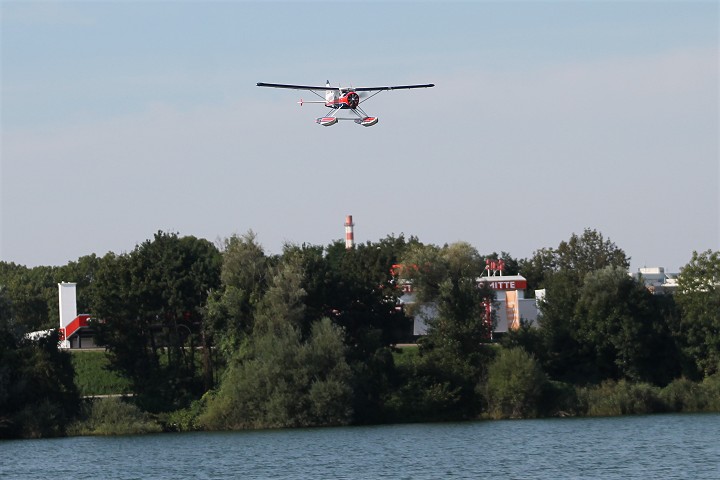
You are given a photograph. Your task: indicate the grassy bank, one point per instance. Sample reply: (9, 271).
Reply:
(92, 376)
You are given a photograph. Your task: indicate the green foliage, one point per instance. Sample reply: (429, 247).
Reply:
(113, 416)
(161, 307)
(93, 375)
(560, 351)
(461, 325)
(428, 390)
(622, 327)
(359, 294)
(515, 384)
(589, 252)
(355, 289)
(185, 419)
(453, 358)
(608, 327)
(282, 381)
(244, 278)
(527, 336)
(577, 257)
(32, 293)
(37, 393)
(279, 379)
(447, 279)
(149, 304)
(428, 266)
(698, 299)
(406, 355)
(612, 398)
(683, 395)
(559, 399)
(711, 388)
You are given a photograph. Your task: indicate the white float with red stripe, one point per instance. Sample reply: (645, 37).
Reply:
(327, 121)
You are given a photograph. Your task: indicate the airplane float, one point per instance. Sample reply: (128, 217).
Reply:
(343, 98)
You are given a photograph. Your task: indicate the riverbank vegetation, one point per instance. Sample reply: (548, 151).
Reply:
(228, 337)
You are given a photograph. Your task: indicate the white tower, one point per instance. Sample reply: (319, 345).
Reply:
(68, 307)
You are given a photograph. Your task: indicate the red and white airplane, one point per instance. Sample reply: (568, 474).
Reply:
(343, 98)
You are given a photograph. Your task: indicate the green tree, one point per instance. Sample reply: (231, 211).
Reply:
(356, 290)
(149, 304)
(579, 255)
(698, 299)
(561, 353)
(38, 397)
(33, 294)
(446, 280)
(623, 326)
(280, 379)
(562, 271)
(244, 279)
(360, 296)
(607, 327)
(453, 353)
(535, 269)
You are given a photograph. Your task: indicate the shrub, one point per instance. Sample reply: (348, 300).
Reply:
(284, 382)
(711, 390)
(186, 419)
(515, 385)
(113, 416)
(683, 395)
(612, 398)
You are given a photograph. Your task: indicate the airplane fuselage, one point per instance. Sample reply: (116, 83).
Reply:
(348, 100)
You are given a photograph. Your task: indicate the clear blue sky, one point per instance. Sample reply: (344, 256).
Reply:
(123, 118)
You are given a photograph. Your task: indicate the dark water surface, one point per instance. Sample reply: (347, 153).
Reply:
(645, 447)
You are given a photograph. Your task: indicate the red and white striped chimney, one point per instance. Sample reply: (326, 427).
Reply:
(349, 236)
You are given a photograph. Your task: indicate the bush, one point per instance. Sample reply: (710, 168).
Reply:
(284, 382)
(683, 395)
(711, 390)
(113, 416)
(612, 398)
(515, 385)
(186, 419)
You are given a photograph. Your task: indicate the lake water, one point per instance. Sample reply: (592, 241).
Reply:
(644, 447)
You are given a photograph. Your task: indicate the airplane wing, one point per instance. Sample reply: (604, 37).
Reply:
(294, 87)
(359, 89)
(396, 87)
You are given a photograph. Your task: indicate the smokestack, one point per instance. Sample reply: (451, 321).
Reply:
(349, 236)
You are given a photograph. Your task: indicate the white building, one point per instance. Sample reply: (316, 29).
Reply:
(656, 280)
(511, 308)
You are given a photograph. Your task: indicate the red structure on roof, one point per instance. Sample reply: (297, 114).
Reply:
(73, 327)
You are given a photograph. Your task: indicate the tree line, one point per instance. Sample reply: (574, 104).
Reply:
(226, 336)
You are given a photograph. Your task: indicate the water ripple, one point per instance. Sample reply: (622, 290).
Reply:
(660, 446)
